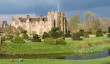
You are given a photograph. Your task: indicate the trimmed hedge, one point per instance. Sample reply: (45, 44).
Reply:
(76, 36)
(99, 33)
(52, 41)
(108, 35)
(60, 41)
(109, 29)
(81, 31)
(86, 35)
(68, 34)
(55, 33)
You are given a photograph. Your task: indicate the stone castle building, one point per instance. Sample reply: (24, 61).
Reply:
(39, 25)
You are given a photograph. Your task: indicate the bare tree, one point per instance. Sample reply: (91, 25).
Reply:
(92, 21)
(73, 23)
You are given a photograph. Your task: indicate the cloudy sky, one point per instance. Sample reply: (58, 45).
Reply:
(10, 8)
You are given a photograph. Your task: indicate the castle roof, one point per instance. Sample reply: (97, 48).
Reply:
(33, 19)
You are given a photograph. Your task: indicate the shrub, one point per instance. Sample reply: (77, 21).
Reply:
(55, 33)
(3, 39)
(45, 35)
(10, 36)
(60, 41)
(108, 35)
(81, 31)
(86, 35)
(99, 33)
(109, 29)
(52, 41)
(25, 36)
(24, 31)
(17, 39)
(93, 32)
(76, 36)
(68, 34)
(104, 32)
(36, 38)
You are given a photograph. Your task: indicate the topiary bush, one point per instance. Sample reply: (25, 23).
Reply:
(36, 38)
(76, 36)
(2, 39)
(104, 32)
(109, 29)
(108, 35)
(52, 41)
(86, 35)
(81, 31)
(55, 33)
(68, 34)
(99, 33)
(60, 41)
(17, 39)
(45, 35)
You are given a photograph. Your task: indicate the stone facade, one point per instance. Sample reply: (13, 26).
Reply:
(41, 24)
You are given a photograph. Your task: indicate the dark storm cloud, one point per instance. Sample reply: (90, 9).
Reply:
(68, 5)
(43, 6)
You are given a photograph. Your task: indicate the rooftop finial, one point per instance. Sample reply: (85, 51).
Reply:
(58, 6)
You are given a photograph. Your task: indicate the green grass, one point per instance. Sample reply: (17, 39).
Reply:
(41, 48)
(56, 61)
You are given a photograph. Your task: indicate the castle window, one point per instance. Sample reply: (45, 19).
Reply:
(43, 19)
(54, 23)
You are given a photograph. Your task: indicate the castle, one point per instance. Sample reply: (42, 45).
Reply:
(39, 25)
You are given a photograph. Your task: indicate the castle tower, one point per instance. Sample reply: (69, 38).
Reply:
(57, 19)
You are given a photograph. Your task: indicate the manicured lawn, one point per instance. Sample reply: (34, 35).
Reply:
(41, 48)
(55, 61)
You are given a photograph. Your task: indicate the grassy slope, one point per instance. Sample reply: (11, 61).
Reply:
(37, 48)
(55, 61)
